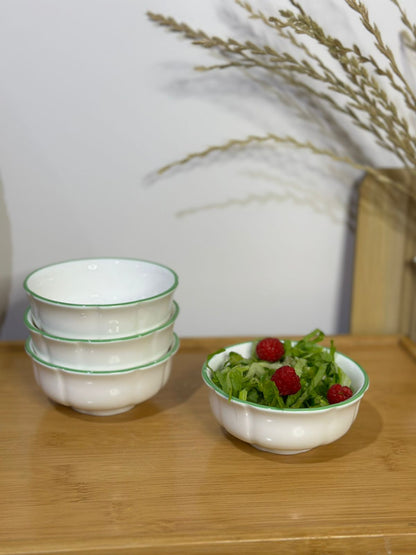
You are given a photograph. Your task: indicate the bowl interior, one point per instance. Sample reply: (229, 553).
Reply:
(359, 378)
(101, 281)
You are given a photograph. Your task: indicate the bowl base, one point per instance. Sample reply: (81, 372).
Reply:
(109, 412)
(280, 451)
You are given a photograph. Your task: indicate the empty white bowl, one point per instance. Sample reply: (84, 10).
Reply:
(102, 393)
(284, 431)
(105, 355)
(100, 298)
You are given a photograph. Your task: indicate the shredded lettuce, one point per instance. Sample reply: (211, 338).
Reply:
(249, 379)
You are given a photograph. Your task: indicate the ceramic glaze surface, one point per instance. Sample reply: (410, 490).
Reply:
(100, 298)
(284, 431)
(105, 281)
(106, 354)
(106, 393)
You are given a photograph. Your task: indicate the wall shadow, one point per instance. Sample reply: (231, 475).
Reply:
(343, 318)
(313, 117)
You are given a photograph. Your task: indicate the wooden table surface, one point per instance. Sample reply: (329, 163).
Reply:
(164, 477)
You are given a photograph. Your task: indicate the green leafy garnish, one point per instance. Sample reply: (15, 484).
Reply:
(249, 379)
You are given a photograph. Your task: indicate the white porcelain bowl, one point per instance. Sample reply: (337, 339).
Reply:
(105, 355)
(284, 431)
(100, 298)
(102, 393)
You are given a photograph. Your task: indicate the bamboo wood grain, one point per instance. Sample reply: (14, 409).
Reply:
(384, 288)
(165, 479)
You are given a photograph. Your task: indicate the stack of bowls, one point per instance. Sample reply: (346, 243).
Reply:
(101, 331)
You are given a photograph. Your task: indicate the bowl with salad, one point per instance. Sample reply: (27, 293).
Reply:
(284, 396)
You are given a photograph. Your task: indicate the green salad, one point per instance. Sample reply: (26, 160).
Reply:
(253, 379)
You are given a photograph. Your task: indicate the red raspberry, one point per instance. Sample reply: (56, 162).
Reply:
(287, 380)
(338, 393)
(270, 349)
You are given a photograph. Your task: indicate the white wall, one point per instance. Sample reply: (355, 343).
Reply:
(94, 98)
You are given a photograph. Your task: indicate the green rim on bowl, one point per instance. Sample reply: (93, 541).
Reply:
(173, 349)
(166, 324)
(104, 305)
(206, 371)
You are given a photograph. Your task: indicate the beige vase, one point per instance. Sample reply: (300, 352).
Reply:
(5, 257)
